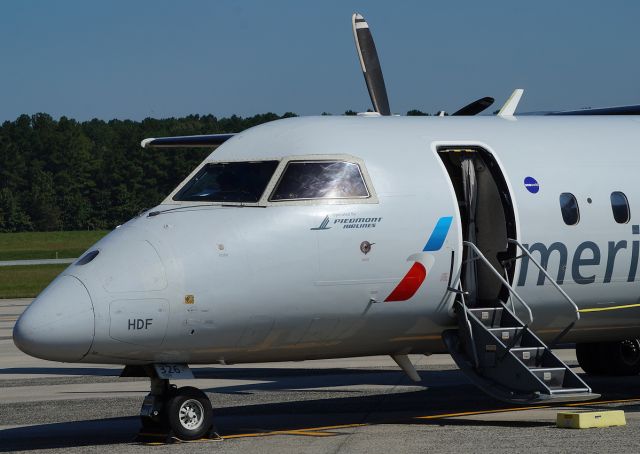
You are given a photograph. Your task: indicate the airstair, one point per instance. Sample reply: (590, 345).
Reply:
(502, 355)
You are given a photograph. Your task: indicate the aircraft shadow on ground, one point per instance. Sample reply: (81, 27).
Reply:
(82, 371)
(70, 434)
(274, 379)
(321, 379)
(396, 408)
(404, 407)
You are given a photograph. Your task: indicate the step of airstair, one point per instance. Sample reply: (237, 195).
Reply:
(528, 355)
(502, 356)
(489, 317)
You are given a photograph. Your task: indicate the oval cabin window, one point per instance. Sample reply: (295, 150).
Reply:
(569, 208)
(620, 207)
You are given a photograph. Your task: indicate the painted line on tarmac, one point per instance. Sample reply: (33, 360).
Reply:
(480, 412)
(598, 402)
(324, 431)
(309, 432)
(303, 432)
(532, 407)
(329, 431)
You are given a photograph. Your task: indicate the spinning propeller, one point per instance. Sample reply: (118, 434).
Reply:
(370, 64)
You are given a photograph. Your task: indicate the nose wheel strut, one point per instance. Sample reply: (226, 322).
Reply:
(169, 412)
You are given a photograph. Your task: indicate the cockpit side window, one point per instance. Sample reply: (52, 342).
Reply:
(305, 180)
(239, 182)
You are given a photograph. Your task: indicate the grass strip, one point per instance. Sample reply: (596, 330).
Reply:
(26, 281)
(47, 245)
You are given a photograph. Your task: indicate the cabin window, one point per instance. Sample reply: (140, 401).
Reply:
(569, 208)
(304, 180)
(620, 207)
(239, 182)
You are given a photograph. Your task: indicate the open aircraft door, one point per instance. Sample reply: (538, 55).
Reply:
(487, 217)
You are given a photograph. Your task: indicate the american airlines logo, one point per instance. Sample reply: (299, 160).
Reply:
(589, 262)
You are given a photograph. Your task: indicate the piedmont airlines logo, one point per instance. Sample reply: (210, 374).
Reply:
(323, 224)
(423, 261)
(349, 221)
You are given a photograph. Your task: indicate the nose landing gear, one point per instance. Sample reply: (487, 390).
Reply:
(171, 412)
(189, 413)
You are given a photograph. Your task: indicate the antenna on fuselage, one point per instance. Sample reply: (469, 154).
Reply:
(510, 106)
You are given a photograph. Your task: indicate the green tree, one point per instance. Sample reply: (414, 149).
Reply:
(44, 209)
(64, 174)
(12, 216)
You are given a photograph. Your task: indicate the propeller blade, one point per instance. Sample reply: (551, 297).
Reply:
(370, 64)
(475, 107)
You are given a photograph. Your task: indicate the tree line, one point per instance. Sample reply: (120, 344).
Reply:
(70, 175)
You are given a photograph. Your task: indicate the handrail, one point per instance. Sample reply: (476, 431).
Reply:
(548, 276)
(468, 325)
(499, 276)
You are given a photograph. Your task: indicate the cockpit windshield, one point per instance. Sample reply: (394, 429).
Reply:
(240, 182)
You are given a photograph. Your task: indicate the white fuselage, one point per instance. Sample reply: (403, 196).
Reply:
(272, 281)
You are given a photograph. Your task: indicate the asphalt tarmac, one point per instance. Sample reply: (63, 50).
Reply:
(350, 406)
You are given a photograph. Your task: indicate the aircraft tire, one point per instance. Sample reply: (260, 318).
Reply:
(624, 357)
(189, 413)
(593, 358)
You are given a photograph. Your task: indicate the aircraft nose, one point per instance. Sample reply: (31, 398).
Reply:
(59, 324)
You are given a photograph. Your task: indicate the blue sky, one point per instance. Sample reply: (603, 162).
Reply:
(158, 58)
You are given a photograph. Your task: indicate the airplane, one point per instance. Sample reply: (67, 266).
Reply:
(492, 238)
